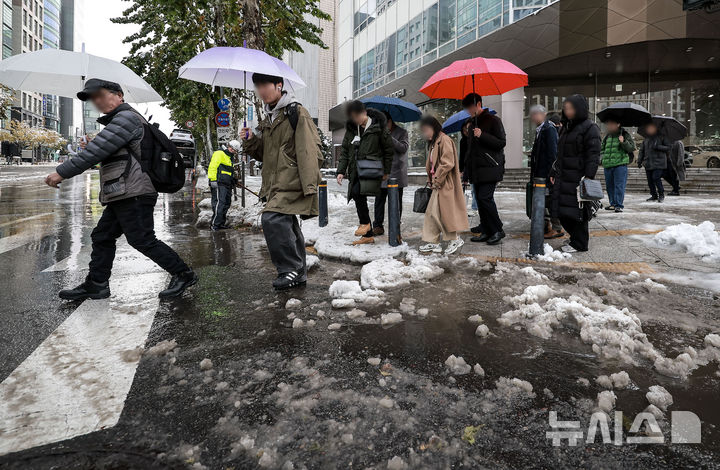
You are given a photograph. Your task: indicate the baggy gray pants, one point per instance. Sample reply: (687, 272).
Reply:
(285, 242)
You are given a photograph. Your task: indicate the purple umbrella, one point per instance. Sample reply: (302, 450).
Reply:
(232, 66)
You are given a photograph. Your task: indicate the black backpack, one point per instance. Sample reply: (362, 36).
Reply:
(161, 160)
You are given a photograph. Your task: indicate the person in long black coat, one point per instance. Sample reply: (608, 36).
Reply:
(486, 161)
(578, 156)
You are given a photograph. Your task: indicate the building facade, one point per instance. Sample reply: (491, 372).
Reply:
(27, 30)
(316, 66)
(51, 40)
(652, 52)
(71, 39)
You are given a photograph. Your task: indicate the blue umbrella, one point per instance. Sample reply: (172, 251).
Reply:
(457, 121)
(399, 110)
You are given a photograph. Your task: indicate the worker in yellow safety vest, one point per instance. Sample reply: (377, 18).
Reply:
(220, 174)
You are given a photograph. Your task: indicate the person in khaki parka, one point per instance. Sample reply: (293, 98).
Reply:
(288, 144)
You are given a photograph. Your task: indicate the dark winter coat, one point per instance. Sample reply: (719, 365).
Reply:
(375, 144)
(544, 151)
(653, 153)
(578, 156)
(677, 160)
(486, 156)
(401, 143)
(111, 148)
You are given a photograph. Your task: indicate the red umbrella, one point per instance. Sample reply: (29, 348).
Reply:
(479, 75)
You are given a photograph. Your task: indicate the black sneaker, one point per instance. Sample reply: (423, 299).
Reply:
(178, 284)
(476, 229)
(497, 238)
(618, 209)
(289, 280)
(674, 193)
(651, 199)
(87, 290)
(661, 198)
(609, 208)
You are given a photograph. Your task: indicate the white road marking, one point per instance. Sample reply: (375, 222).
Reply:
(77, 380)
(25, 219)
(20, 239)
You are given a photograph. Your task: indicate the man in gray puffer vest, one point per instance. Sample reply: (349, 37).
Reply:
(126, 192)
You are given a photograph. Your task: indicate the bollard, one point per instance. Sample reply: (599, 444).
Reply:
(242, 160)
(537, 223)
(323, 219)
(393, 212)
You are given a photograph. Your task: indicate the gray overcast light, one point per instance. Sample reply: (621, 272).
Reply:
(104, 38)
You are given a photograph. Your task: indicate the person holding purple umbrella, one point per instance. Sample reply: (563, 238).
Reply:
(288, 144)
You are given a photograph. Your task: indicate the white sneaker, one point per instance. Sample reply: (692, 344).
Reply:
(568, 249)
(454, 246)
(431, 248)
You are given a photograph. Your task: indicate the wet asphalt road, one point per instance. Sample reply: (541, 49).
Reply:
(179, 415)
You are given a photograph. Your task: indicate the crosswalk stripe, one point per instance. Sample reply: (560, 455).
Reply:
(77, 380)
(20, 239)
(25, 219)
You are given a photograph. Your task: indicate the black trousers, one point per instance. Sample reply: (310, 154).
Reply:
(361, 204)
(489, 217)
(654, 179)
(380, 206)
(578, 231)
(221, 197)
(285, 242)
(132, 217)
(670, 175)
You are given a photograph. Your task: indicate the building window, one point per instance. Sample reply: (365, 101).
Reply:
(430, 28)
(446, 27)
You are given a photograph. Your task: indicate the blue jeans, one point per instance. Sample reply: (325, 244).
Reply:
(615, 182)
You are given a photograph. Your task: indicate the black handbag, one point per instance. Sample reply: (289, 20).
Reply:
(590, 190)
(370, 169)
(422, 198)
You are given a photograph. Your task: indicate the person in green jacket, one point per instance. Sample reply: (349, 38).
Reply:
(617, 148)
(220, 174)
(368, 141)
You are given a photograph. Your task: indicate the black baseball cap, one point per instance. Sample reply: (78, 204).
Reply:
(95, 84)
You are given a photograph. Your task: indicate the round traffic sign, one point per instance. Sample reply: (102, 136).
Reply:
(224, 104)
(222, 119)
(189, 124)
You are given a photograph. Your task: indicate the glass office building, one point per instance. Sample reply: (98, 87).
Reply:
(648, 51)
(51, 40)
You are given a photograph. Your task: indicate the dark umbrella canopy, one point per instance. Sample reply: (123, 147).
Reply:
(627, 114)
(667, 126)
(457, 121)
(399, 110)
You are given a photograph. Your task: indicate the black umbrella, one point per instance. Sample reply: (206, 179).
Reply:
(627, 114)
(667, 126)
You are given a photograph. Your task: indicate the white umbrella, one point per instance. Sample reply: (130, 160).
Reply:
(232, 67)
(63, 73)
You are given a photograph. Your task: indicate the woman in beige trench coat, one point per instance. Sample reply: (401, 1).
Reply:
(446, 214)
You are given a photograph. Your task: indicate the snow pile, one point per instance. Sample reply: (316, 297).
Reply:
(162, 348)
(618, 380)
(510, 272)
(457, 365)
(659, 397)
(477, 368)
(482, 331)
(346, 294)
(389, 273)
(475, 319)
(512, 388)
(390, 318)
(293, 304)
(614, 333)
(606, 400)
(698, 240)
(236, 215)
(551, 255)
